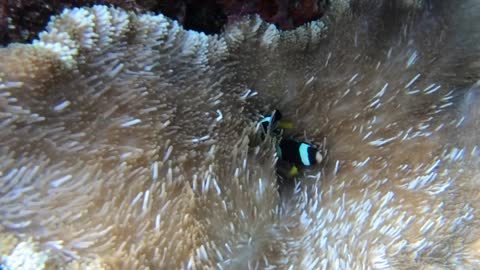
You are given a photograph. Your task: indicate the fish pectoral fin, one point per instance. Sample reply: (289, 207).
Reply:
(293, 171)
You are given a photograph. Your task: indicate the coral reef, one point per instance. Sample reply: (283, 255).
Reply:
(286, 14)
(21, 21)
(124, 142)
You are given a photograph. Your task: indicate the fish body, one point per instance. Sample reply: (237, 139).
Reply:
(298, 153)
(268, 124)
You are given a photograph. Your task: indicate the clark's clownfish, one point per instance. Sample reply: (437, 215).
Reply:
(272, 124)
(298, 153)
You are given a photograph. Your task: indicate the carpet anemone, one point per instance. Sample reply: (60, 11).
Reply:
(125, 142)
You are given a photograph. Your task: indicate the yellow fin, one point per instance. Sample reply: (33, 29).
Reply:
(293, 171)
(285, 124)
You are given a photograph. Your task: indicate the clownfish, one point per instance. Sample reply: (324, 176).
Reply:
(298, 154)
(293, 152)
(270, 124)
